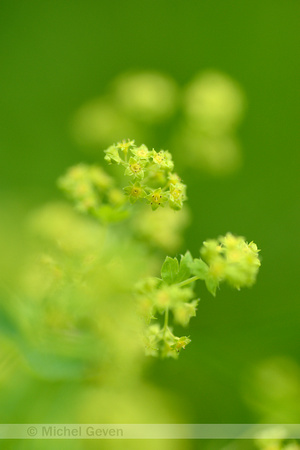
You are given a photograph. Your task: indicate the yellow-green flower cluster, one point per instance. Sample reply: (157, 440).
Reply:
(154, 298)
(93, 191)
(85, 185)
(160, 341)
(230, 258)
(157, 297)
(151, 173)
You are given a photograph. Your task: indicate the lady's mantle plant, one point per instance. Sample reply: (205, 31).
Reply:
(151, 179)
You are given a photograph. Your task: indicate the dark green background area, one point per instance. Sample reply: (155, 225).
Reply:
(54, 55)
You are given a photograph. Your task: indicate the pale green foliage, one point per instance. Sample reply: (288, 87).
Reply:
(76, 314)
(69, 324)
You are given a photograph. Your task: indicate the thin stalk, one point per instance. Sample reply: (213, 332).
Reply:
(188, 281)
(166, 321)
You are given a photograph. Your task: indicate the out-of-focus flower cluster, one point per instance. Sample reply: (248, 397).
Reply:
(72, 296)
(70, 324)
(147, 97)
(93, 191)
(213, 106)
(164, 229)
(229, 258)
(134, 103)
(204, 116)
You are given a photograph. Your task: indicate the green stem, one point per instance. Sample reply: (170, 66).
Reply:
(188, 281)
(166, 321)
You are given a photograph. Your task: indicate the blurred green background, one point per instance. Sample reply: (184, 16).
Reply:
(55, 55)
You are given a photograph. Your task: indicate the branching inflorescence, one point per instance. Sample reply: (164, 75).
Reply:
(227, 259)
(150, 174)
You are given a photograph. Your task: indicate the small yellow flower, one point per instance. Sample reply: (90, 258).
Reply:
(174, 178)
(135, 168)
(156, 198)
(158, 157)
(141, 152)
(176, 193)
(135, 192)
(124, 146)
(163, 159)
(182, 343)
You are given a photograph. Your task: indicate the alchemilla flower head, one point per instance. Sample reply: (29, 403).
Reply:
(153, 170)
(149, 174)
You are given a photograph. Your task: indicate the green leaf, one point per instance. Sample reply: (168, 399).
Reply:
(185, 267)
(169, 270)
(211, 285)
(199, 268)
